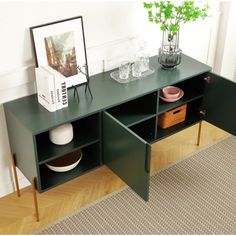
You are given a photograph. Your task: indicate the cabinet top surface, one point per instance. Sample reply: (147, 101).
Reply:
(106, 93)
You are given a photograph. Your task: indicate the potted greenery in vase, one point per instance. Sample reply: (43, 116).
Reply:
(169, 16)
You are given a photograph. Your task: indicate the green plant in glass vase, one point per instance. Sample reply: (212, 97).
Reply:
(169, 16)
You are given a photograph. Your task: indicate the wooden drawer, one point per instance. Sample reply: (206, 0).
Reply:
(172, 117)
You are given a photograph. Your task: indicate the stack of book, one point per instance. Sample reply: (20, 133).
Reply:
(51, 88)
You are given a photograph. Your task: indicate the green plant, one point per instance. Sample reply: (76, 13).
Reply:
(169, 15)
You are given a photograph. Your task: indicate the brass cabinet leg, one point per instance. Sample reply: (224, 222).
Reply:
(35, 198)
(199, 133)
(15, 174)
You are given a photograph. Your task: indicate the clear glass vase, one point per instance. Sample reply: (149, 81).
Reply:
(169, 52)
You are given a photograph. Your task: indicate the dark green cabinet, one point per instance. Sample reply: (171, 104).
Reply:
(118, 125)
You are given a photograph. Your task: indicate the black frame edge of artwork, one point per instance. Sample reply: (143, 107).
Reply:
(78, 67)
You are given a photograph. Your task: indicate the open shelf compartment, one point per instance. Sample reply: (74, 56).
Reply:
(145, 129)
(86, 132)
(193, 90)
(90, 160)
(192, 117)
(137, 110)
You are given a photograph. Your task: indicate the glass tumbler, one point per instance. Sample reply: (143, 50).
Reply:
(136, 69)
(124, 70)
(144, 59)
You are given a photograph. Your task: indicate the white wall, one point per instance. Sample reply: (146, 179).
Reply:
(112, 30)
(221, 36)
(228, 59)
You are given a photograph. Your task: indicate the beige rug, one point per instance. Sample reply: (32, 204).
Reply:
(195, 196)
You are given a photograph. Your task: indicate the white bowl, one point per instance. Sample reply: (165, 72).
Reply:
(62, 134)
(66, 162)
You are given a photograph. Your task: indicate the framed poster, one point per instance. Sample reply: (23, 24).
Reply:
(61, 45)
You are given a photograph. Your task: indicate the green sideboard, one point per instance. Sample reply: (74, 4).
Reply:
(117, 126)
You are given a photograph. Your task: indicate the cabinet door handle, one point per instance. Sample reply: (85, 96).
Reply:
(202, 113)
(148, 159)
(207, 79)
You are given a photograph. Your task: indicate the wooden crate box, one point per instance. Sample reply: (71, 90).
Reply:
(172, 117)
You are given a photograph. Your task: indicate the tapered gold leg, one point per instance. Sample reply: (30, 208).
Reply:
(15, 174)
(35, 198)
(199, 133)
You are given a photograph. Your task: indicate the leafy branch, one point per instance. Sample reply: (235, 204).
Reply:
(169, 16)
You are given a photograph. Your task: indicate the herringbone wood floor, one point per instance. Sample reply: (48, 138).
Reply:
(17, 214)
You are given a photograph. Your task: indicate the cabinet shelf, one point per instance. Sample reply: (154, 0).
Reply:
(189, 96)
(146, 129)
(89, 161)
(136, 111)
(133, 118)
(193, 90)
(51, 179)
(50, 151)
(86, 132)
(192, 117)
(163, 133)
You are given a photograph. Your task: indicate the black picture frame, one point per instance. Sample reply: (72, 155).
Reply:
(61, 45)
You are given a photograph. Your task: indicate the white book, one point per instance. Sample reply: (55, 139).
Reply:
(45, 89)
(60, 87)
